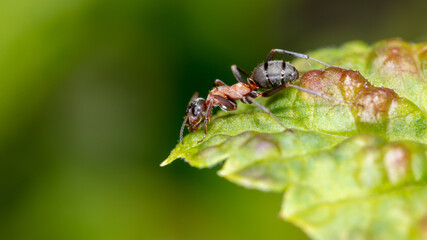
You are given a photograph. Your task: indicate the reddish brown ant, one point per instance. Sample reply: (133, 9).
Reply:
(272, 76)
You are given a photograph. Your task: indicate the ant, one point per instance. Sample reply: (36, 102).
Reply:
(271, 75)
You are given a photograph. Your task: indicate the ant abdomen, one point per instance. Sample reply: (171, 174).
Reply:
(275, 73)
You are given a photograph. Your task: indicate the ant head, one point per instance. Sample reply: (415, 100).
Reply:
(196, 112)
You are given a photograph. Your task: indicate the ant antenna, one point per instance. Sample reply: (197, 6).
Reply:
(181, 132)
(294, 54)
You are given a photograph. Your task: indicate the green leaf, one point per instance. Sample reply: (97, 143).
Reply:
(347, 171)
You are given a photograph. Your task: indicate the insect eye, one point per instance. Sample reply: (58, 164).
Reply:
(195, 111)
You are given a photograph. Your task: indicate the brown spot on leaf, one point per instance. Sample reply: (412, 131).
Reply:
(393, 57)
(373, 102)
(262, 145)
(312, 80)
(325, 82)
(333, 74)
(347, 83)
(422, 51)
(396, 161)
(422, 59)
(371, 106)
(352, 83)
(424, 227)
(376, 103)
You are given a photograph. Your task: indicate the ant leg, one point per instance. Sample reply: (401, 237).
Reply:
(181, 132)
(320, 94)
(226, 104)
(207, 120)
(266, 110)
(218, 83)
(271, 91)
(236, 72)
(294, 54)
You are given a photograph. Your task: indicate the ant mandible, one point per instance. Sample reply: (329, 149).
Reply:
(271, 75)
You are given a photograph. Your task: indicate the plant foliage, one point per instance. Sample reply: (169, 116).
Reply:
(346, 171)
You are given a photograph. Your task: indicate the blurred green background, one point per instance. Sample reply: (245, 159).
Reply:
(92, 95)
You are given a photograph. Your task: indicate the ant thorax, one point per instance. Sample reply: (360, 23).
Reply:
(234, 92)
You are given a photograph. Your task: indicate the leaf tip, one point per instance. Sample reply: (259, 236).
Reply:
(165, 162)
(172, 157)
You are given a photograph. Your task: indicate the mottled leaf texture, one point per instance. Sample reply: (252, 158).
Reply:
(347, 171)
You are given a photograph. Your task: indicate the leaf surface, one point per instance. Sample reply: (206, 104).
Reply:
(348, 171)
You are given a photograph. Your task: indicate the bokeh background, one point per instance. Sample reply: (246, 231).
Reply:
(92, 95)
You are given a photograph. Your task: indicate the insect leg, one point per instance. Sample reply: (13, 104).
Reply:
(266, 110)
(226, 104)
(320, 94)
(218, 83)
(207, 119)
(294, 54)
(236, 72)
(271, 92)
